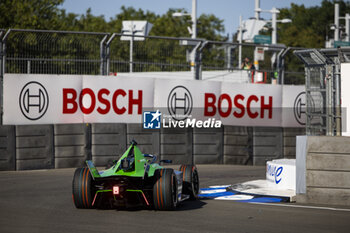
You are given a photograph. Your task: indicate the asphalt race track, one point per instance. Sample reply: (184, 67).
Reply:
(41, 201)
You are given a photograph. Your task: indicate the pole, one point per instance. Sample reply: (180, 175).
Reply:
(102, 56)
(194, 19)
(228, 57)
(2, 65)
(283, 55)
(329, 102)
(337, 100)
(28, 66)
(131, 49)
(257, 6)
(108, 53)
(274, 13)
(2, 72)
(347, 25)
(194, 36)
(195, 69)
(336, 21)
(240, 42)
(256, 62)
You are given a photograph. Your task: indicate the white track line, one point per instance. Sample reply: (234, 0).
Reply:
(302, 206)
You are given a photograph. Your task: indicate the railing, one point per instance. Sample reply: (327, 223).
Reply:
(69, 52)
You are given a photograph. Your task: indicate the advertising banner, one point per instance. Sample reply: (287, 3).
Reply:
(250, 104)
(56, 99)
(294, 106)
(116, 99)
(38, 99)
(180, 99)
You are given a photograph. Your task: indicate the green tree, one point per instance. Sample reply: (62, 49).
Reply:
(130, 13)
(91, 23)
(310, 26)
(33, 14)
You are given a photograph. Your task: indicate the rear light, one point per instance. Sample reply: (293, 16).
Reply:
(115, 190)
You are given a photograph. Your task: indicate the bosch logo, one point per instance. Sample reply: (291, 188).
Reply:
(300, 108)
(33, 100)
(180, 103)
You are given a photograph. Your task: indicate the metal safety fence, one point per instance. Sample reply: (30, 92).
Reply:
(70, 52)
(52, 52)
(323, 88)
(101, 53)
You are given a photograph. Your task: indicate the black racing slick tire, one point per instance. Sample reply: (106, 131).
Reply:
(82, 188)
(165, 190)
(190, 179)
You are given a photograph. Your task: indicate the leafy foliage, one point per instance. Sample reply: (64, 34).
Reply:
(309, 28)
(33, 14)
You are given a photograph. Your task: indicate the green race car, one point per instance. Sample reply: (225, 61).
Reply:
(135, 179)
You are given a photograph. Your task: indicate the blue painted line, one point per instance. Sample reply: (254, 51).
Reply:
(214, 195)
(264, 200)
(208, 189)
(256, 198)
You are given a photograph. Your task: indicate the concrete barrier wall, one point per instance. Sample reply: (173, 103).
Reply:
(267, 144)
(208, 146)
(108, 142)
(69, 145)
(238, 145)
(289, 141)
(72, 145)
(7, 148)
(34, 147)
(177, 144)
(327, 171)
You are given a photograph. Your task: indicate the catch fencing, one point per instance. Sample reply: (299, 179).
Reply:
(70, 52)
(323, 90)
(102, 53)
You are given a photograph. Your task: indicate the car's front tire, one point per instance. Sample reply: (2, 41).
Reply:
(82, 188)
(190, 181)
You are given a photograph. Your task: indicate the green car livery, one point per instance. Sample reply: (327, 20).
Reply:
(135, 179)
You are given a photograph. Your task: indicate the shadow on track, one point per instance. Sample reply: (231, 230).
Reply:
(184, 206)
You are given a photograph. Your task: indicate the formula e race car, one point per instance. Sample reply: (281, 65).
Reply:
(135, 179)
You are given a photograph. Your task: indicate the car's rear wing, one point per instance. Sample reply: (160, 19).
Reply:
(93, 171)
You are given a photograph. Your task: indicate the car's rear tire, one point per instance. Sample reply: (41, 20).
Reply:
(165, 190)
(190, 179)
(82, 188)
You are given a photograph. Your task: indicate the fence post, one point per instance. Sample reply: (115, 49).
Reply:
(198, 59)
(2, 71)
(308, 100)
(337, 81)
(103, 56)
(1, 78)
(280, 64)
(329, 98)
(108, 53)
